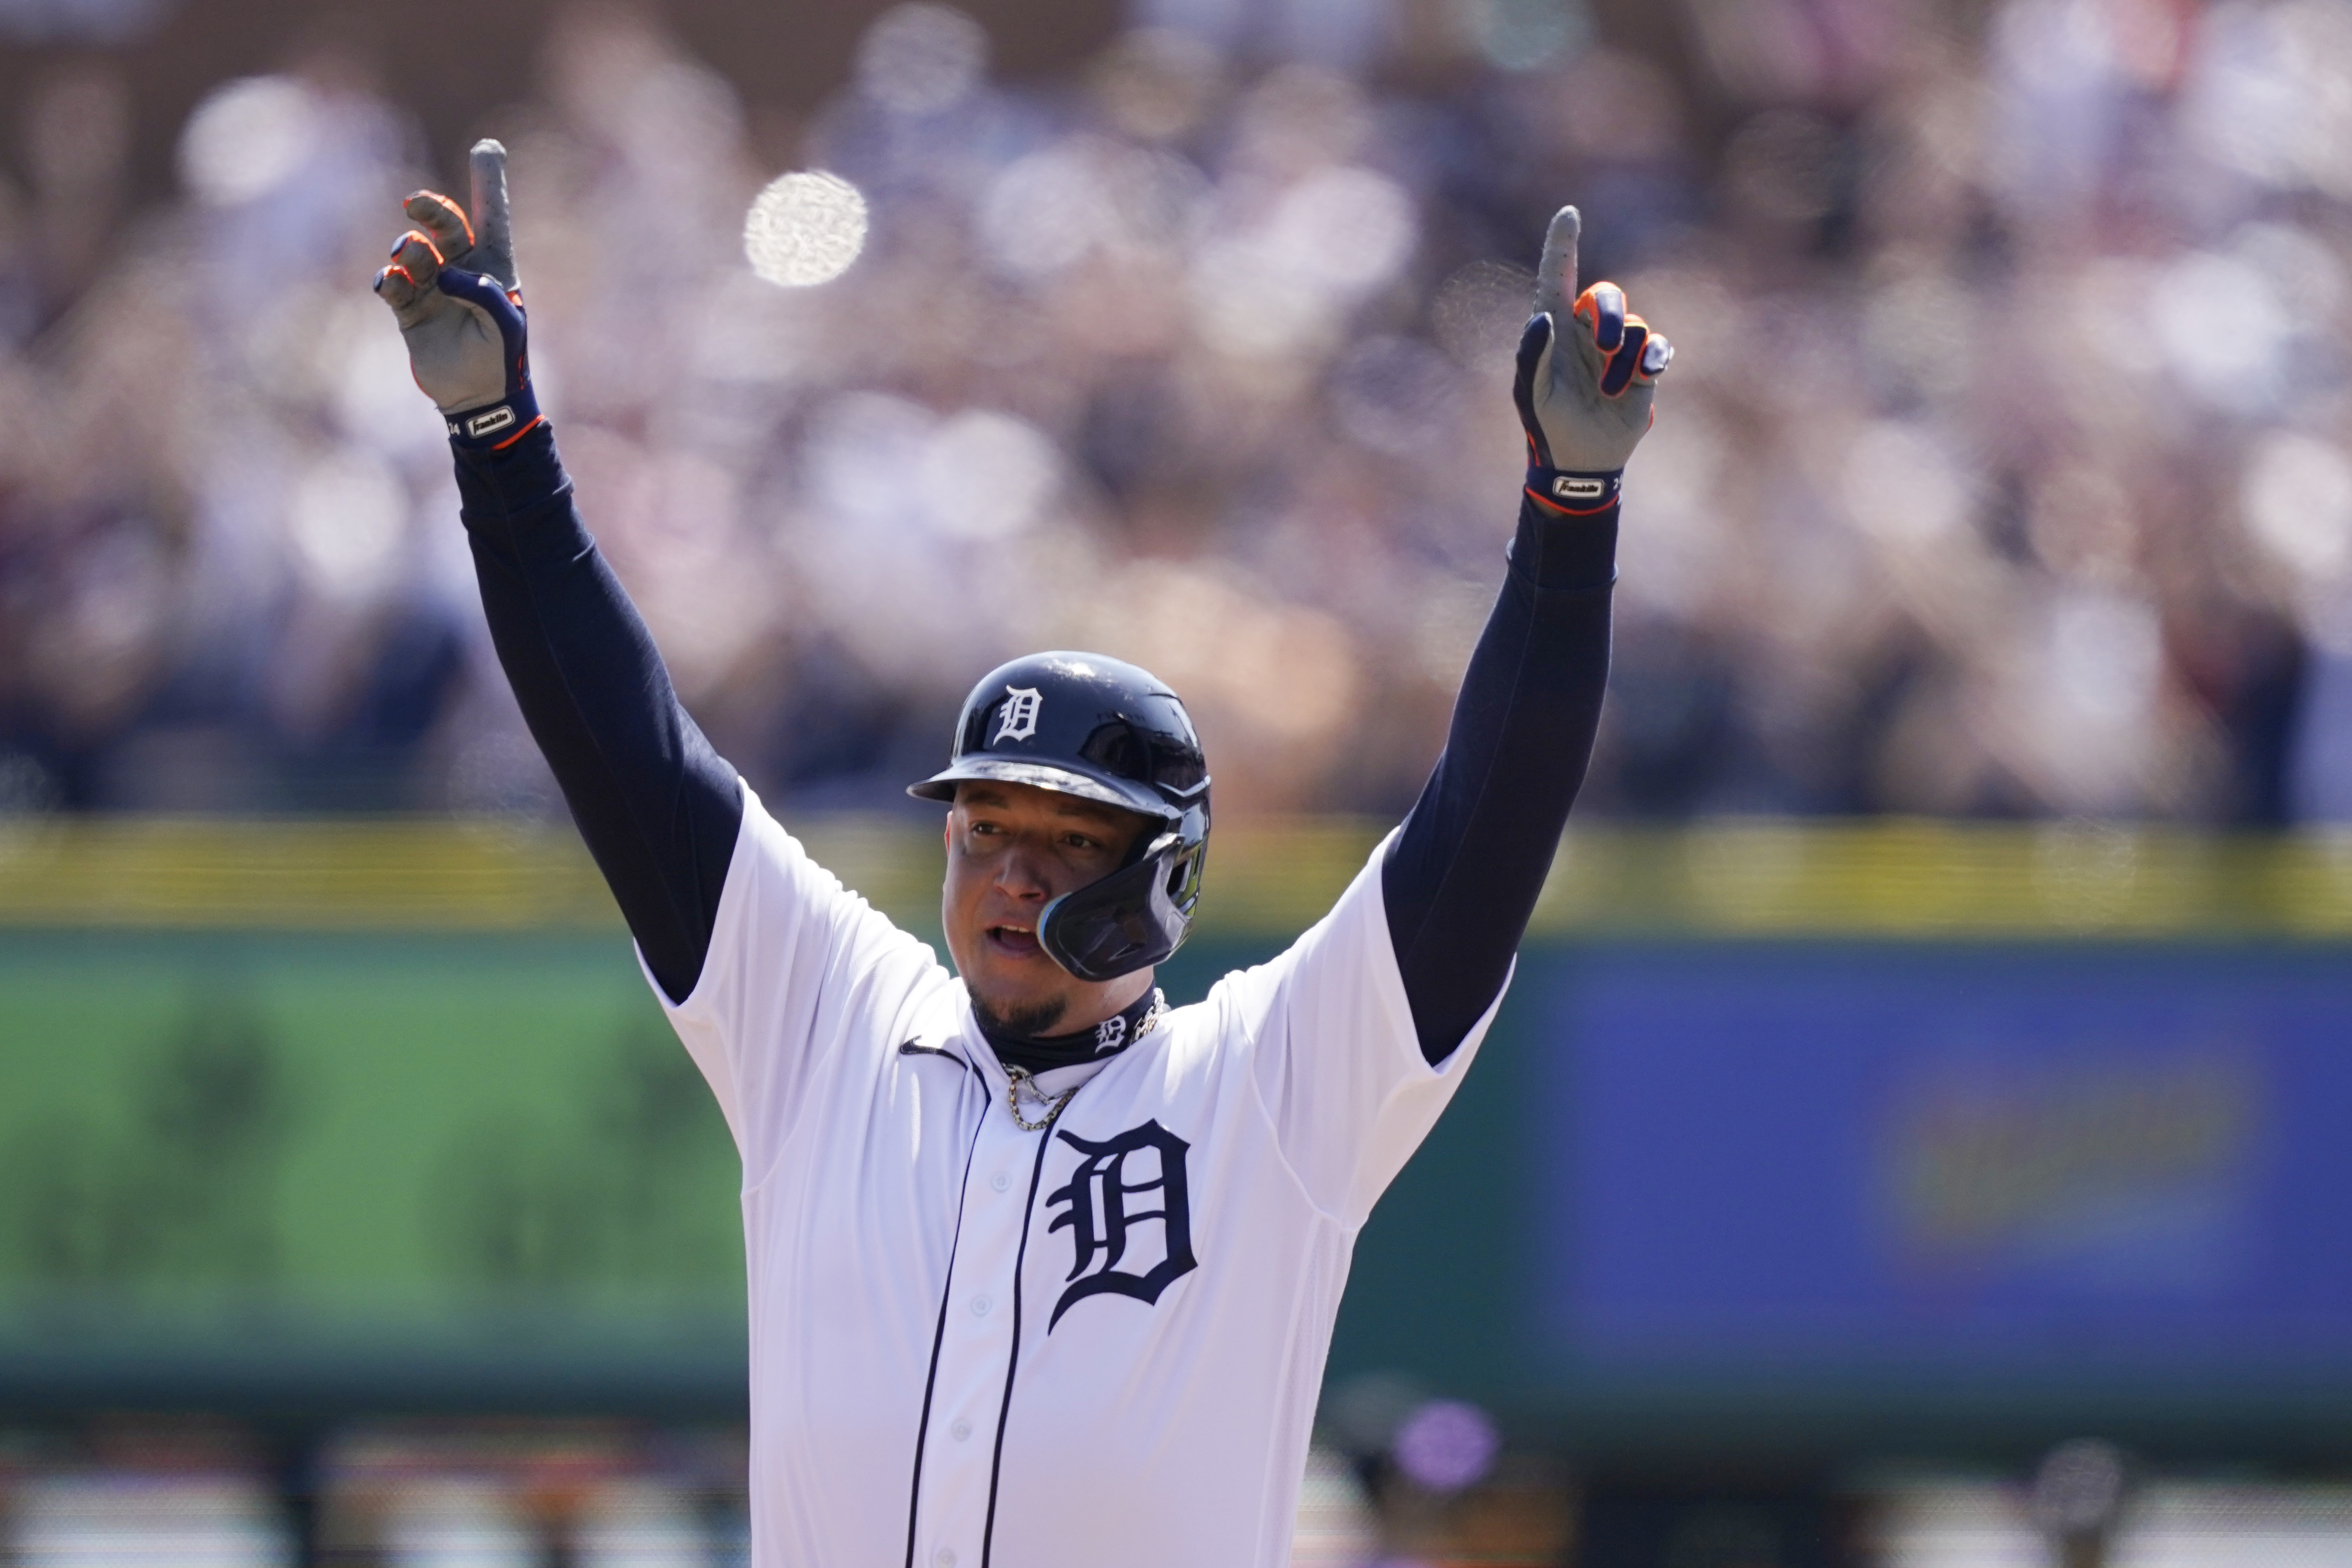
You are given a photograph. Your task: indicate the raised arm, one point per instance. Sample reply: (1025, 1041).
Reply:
(658, 808)
(1462, 877)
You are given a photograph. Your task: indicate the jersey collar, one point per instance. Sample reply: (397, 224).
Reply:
(1102, 1041)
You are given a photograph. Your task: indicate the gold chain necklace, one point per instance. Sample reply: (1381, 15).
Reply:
(1018, 1079)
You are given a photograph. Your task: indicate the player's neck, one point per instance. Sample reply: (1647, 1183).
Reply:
(1124, 994)
(1112, 1032)
(1075, 1014)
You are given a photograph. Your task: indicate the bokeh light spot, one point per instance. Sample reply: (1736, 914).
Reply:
(1521, 35)
(804, 229)
(2297, 496)
(1446, 1444)
(246, 137)
(920, 59)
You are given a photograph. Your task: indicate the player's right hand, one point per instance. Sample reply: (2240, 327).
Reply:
(451, 284)
(1586, 379)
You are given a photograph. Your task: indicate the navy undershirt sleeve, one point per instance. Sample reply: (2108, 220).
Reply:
(659, 808)
(1462, 877)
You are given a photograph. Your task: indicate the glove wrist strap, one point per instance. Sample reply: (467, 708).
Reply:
(494, 425)
(1573, 492)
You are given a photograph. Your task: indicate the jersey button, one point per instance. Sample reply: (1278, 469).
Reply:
(1000, 1181)
(960, 1430)
(945, 1557)
(980, 1305)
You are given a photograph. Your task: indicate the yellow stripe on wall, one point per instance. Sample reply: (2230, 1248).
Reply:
(1886, 879)
(342, 875)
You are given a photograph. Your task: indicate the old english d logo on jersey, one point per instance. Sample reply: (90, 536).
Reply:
(1099, 1220)
(1017, 720)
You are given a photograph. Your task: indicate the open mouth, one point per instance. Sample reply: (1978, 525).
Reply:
(1013, 941)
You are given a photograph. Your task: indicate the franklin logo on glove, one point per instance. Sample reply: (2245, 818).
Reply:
(489, 423)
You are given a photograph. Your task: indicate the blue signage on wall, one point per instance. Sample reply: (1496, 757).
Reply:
(2073, 1161)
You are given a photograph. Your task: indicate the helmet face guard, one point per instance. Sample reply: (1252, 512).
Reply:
(1083, 725)
(1136, 915)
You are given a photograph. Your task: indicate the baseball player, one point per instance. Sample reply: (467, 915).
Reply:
(1043, 1269)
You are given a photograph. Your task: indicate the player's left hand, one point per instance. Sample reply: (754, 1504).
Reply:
(451, 284)
(1587, 378)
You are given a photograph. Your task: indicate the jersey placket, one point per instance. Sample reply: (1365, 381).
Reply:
(974, 1380)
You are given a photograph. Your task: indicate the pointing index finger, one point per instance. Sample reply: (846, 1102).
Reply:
(494, 232)
(1556, 273)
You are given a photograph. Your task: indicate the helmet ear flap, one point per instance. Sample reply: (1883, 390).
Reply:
(1133, 919)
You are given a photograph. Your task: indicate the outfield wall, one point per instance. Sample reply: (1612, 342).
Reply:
(1787, 1140)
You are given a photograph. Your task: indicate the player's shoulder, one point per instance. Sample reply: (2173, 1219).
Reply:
(773, 866)
(763, 840)
(1217, 1026)
(1345, 953)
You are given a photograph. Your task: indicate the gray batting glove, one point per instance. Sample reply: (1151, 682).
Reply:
(1586, 408)
(451, 284)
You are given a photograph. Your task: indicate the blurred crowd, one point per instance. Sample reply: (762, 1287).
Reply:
(517, 1493)
(453, 1494)
(2002, 470)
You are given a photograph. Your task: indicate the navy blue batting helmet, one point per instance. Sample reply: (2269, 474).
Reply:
(1081, 725)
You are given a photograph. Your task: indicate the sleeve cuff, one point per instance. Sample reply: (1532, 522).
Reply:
(503, 481)
(1568, 551)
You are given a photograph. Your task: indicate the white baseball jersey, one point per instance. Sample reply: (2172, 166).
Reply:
(973, 1344)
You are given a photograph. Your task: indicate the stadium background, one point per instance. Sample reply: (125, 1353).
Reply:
(1927, 1051)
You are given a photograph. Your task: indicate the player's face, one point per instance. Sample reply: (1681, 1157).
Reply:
(1012, 850)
